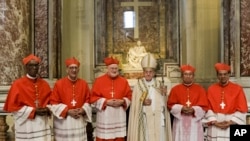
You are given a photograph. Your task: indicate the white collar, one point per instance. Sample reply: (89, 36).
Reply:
(30, 77)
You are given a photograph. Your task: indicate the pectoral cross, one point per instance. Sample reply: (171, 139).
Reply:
(222, 105)
(188, 103)
(112, 89)
(112, 94)
(73, 102)
(36, 103)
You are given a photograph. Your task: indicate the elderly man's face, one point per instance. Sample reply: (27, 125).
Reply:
(32, 68)
(113, 70)
(149, 73)
(72, 71)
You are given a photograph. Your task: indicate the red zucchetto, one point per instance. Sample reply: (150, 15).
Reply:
(110, 60)
(29, 58)
(71, 61)
(222, 66)
(187, 68)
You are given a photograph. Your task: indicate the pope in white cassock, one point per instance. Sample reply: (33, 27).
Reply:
(149, 119)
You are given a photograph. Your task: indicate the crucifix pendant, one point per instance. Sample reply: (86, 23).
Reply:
(112, 94)
(222, 105)
(36, 103)
(73, 102)
(188, 103)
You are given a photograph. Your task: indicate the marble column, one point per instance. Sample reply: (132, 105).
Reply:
(200, 36)
(78, 35)
(14, 38)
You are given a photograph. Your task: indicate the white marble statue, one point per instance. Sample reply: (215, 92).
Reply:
(135, 55)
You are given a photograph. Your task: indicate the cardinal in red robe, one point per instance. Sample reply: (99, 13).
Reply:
(27, 100)
(227, 105)
(111, 95)
(70, 105)
(188, 104)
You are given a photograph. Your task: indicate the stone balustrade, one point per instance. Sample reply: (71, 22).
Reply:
(4, 127)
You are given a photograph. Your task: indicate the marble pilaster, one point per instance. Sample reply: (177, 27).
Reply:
(236, 41)
(46, 33)
(14, 38)
(78, 35)
(200, 44)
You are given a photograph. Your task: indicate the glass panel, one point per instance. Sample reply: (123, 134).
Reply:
(129, 19)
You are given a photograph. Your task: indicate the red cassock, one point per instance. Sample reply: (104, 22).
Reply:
(187, 127)
(25, 91)
(226, 103)
(233, 98)
(110, 121)
(104, 86)
(65, 91)
(179, 95)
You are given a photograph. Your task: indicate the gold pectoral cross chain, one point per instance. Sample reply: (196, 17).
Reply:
(188, 101)
(37, 94)
(222, 104)
(112, 90)
(73, 102)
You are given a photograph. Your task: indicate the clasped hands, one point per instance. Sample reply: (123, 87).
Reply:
(115, 102)
(223, 124)
(76, 113)
(147, 102)
(42, 111)
(187, 110)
